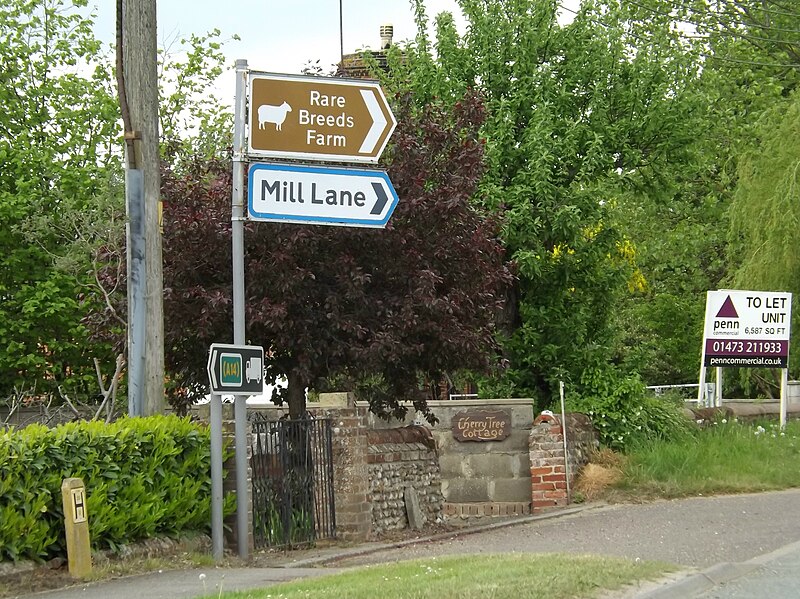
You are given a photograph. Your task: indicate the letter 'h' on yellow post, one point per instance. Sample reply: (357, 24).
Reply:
(76, 522)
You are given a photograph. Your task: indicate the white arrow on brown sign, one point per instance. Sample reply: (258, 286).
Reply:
(317, 118)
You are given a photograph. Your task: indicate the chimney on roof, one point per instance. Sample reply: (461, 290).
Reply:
(387, 31)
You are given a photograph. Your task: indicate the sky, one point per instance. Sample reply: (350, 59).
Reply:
(281, 37)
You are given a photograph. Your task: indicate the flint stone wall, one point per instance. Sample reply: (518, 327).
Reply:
(397, 459)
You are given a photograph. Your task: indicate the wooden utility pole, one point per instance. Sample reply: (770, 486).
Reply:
(138, 89)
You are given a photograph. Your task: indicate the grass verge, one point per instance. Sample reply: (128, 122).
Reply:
(725, 457)
(504, 576)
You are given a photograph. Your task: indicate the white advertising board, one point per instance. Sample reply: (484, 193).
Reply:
(747, 329)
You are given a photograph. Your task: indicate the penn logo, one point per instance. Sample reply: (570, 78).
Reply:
(725, 317)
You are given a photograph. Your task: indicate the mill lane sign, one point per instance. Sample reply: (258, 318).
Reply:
(346, 197)
(317, 118)
(236, 369)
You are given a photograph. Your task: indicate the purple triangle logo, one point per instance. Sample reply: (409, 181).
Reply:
(728, 310)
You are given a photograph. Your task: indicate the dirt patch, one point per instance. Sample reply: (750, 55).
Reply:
(23, 578)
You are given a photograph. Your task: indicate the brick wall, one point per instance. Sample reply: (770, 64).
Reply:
(375, 461)
(350, 473)
(549, 469)
(399, 458)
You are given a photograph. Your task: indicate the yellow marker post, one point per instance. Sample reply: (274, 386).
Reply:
(76, 522)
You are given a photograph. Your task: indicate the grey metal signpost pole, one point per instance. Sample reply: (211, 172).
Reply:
(370, 111)
(137, 282)
(216, 476)
(237, 229)
(784, 391)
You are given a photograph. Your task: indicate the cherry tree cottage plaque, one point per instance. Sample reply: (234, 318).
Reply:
(481, 425)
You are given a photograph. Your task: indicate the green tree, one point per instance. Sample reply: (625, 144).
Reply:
(765, 214)
(752, 36)
(56, 153)
(62, 214)
(194, 122)
(579, 116)
(748, 50)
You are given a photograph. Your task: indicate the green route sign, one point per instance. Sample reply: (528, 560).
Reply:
(236, 369)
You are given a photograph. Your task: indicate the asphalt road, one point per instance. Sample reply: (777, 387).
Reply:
(718, 540)
(697, 532)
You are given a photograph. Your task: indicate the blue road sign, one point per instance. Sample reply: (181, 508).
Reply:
(344, 197)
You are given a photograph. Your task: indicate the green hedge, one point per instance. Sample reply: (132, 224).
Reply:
(143, 476)
(623, 412)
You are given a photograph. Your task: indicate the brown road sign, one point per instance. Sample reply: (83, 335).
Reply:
(317, 118)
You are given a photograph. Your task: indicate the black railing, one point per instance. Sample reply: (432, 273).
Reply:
(292, 470)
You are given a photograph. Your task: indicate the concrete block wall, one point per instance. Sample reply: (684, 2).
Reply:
(484, 472)
(550, 471)
(523, 473)
(481, 478)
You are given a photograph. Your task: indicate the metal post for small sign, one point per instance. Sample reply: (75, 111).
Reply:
(216, 477)
(358, 123)
(784, 395)
(564, 437)
(237, 370)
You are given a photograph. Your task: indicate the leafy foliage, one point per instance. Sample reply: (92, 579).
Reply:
(419, 296)
(578, 116)
(62, 209)
(747, 51)
(753, 37)
(765, 214)
(193, 121)
(143, 477)
(56, 128)
(624, 413)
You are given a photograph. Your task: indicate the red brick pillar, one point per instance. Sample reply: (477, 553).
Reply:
(351, 475)
(548, 467)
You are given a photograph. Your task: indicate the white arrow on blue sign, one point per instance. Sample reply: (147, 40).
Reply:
(345, 197)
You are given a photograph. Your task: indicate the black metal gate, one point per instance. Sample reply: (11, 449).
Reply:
(292, 472)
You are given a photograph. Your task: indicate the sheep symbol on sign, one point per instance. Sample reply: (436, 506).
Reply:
(273, 114)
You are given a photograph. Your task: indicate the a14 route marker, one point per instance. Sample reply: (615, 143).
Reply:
(236, 369)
